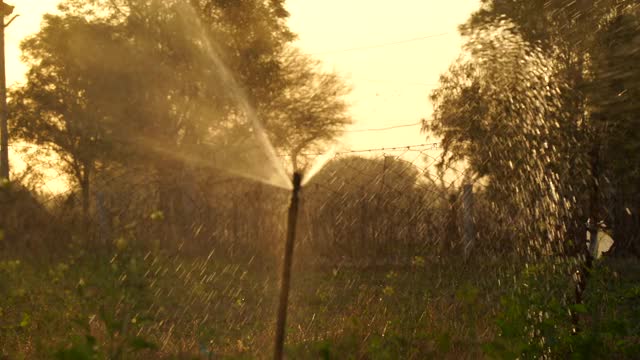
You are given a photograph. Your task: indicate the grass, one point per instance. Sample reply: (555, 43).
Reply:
(139, 304)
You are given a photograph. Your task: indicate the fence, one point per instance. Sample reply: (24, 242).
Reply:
(369, 205)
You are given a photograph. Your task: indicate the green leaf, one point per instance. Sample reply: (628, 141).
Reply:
(26, 320)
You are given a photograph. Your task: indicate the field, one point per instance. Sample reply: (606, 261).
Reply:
(138, 304)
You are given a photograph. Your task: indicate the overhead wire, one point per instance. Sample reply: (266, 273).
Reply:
(385, 128)
(430, 146)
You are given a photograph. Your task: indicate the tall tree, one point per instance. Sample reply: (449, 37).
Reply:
(159, 82)
(614, 93)
(54, 108)
(572, 36)
(501, 109)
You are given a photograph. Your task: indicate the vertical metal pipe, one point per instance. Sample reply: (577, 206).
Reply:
(286, 267)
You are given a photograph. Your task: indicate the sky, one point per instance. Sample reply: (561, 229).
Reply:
(28, 22)
(369, 43)
(391, 53)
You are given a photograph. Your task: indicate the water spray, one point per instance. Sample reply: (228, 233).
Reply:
(286, 267)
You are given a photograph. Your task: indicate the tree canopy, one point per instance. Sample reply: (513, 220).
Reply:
(168, 84)
(545, 99)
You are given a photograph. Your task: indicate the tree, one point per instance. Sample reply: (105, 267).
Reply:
(501, 110)
(310, 110)
(171, 87)
(615, 94)
(368, 208)
(54, 108)
(572, 37)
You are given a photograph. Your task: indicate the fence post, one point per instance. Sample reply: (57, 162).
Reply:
(468, 223)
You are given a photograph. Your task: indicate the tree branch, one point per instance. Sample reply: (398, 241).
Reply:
(11, 20)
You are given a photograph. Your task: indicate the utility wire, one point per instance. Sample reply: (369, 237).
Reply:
(380, 45)
(406, 148)
(428, 146)
(385, 128)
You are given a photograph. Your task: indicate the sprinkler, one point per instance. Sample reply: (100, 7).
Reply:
(286, 268)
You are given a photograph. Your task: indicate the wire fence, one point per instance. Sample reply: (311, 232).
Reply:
(382, 205)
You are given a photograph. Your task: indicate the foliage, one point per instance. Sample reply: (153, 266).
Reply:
(588, 50)
(535, 319)
(543, 106)
(310, 110)
(501, 110)
(146, 304)
(372, 200)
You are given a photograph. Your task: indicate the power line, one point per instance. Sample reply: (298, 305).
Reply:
(385, 128)
(407, 148)
(427, 146)
(380, 45)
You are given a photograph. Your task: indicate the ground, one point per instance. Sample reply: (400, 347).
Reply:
(133, 303)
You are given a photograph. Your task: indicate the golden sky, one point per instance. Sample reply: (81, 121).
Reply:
(27, 23)
(390, 83)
